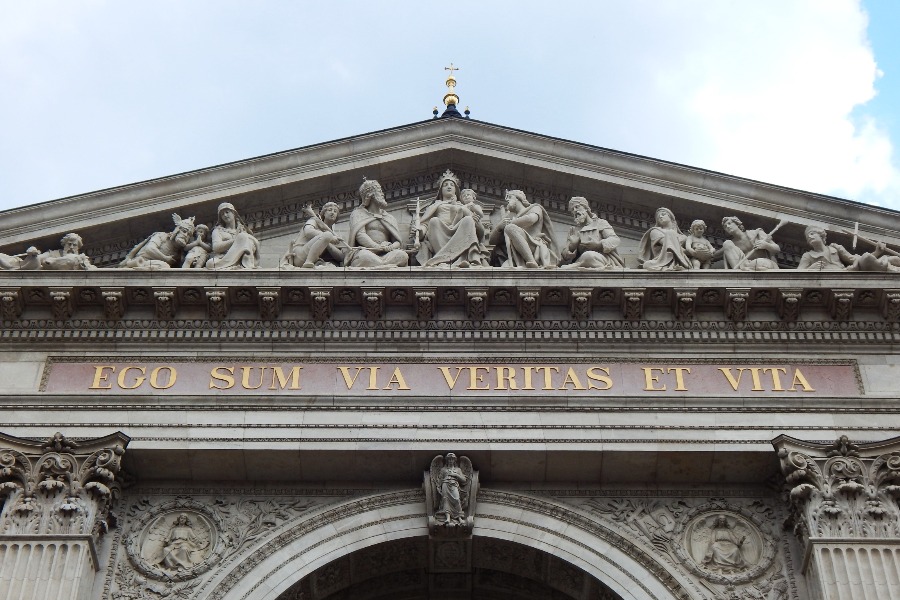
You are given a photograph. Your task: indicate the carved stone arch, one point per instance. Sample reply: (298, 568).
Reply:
(291, 554)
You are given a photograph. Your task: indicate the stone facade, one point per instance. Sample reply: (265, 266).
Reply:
(312, 429)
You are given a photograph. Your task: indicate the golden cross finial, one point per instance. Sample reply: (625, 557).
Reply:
(451, 68)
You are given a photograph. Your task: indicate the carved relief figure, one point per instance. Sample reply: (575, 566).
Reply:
(697, 247)
(451, 231)
(524, 237)
(233, 244)
(69, 258)
(197, 251)
(834, 257)
(177, 542)
(181, 544)
(374, 234)
(725, 549)
(751, 250)
(451, 483)
(661, 247)
(317, 243)
(161, 250)
(592, 242)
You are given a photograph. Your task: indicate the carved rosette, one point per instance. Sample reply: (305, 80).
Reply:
(838, 491)
(59, 488)
(176, 541)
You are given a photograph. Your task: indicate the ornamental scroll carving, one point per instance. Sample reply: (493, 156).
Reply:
(59, 487)
(451, 485)
(843, 490)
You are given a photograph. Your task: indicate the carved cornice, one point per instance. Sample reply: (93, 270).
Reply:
(842, 490)
(59, 487)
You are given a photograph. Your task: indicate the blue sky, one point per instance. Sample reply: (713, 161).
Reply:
(99, 93)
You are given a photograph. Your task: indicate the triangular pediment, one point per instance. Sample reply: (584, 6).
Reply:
(271, 191)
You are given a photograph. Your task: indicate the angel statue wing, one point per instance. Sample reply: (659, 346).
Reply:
(437, 463)
(465, 466)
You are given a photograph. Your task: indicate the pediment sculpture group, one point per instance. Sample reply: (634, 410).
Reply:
(452, 231)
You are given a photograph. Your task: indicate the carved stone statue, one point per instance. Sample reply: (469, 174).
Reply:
(233, 244)
(197, 252)
(834, 257)
(451, 230)
(69, 258)
(177, 542)
(181, 544)
(592, 242)
(751, 250)
(725, 549)
(317, 244)
(524, 237)
(661, 247)
(161, 250)
(451, 482)
(468, 197)
(697, 247)
(374, 234)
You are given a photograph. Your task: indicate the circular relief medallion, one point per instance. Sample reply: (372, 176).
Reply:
(725, 547)
(177, 543)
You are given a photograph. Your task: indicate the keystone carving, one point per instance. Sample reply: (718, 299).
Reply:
(61, 303)
(451, 485)
(166, 303)
(685, 300)
(476, 304)
(269, 303)
(736, 304)
(11, 303)
(320, 303)
(425, 303)
(217, 303)
(581, 303)
(842, 490)
(529, 303)
(633, 304)
(789, 304)
(59, 487)
(890, 305)
(113, 303)
(373, 303)
(841, 305)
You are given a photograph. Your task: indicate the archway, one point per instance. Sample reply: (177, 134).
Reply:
(511, 522)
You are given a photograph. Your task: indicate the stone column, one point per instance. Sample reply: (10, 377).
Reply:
(844, 511)
(55, 499)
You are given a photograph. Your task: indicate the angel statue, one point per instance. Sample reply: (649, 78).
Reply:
(181, 546)
(452, 482)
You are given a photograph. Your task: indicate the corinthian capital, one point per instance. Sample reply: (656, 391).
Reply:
(59, 486)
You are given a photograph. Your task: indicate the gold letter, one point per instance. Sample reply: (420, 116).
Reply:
(446, 371)
(799, 378)
(679, 377)
(279, 377)
(154, 378)
(757, 384)
(548, 376)
(245, 378)
(475, 378)
(649, 379)
(397, 379)
(506, 376)
(223, 374)
(528, 384)
(346, 373)
(601, 378)
(734, 382)
(572, 379)
(776, 380)
(137, 381)
(100, 377)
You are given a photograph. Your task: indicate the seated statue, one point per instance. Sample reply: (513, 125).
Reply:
(161, 250)
(697, 247)
(662, 246)
(468, 197)
(374, 234)
(524, 237)
(317, 244)
(834, 257)
(233, 244)
(451, 231)
(592, 242)
(69, 258)
(751, 250)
